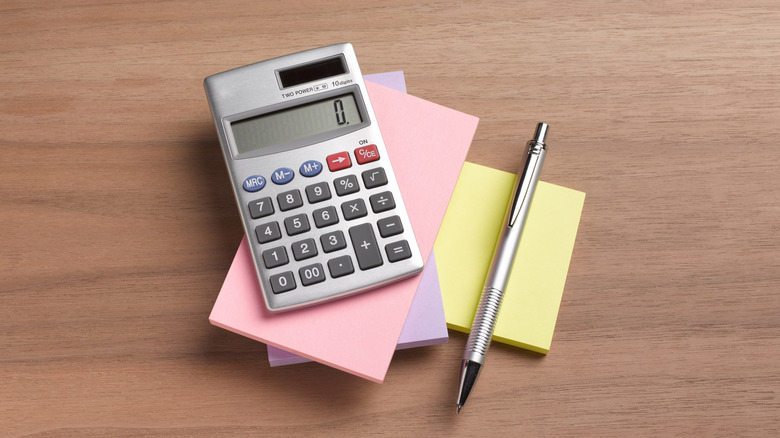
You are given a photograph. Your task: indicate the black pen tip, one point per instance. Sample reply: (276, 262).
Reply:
(459, 406)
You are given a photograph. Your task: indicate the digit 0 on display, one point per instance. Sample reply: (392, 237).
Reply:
(298, 133)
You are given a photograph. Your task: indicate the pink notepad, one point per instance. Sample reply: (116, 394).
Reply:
(425, 324)
(428, 145)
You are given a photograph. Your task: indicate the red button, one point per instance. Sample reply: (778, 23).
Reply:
(338, 161)
(366, 154)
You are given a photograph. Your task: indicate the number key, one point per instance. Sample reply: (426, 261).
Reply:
(296, 224)
(304, 249)
(268, 232)
(275, 257)
(318, 192)
(325, 216)
(261, 208)
(311, 274)
(333, 241)
(289, 200)
(282, 282)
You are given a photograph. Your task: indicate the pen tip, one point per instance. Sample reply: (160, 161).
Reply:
(459, 406)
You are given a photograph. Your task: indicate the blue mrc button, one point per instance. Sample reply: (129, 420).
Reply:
(310, 168)
(282, 175)
(254, 183)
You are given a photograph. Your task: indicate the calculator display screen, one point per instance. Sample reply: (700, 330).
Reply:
(295, 123)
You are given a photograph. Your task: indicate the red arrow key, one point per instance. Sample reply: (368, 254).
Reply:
(338, 161)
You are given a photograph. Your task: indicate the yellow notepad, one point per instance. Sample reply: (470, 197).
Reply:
(465, 244)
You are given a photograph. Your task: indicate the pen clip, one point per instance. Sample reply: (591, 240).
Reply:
(526, 179)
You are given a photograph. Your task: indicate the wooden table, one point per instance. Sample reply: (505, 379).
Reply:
(117, 224)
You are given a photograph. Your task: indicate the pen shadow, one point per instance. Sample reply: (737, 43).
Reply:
(532, 356)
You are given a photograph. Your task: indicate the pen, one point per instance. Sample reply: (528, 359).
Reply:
(501, 265)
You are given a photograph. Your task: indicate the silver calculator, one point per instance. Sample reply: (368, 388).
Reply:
(315, 188)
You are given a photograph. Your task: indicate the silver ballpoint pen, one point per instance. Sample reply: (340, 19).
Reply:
(501, 265)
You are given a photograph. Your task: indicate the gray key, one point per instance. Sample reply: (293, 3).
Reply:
(289, 200)
(354, 209)
(333, 241)
(398, 251)
(325, 216)
(374, 178)
(296, 224)
(311, 274)
(318, 192)
(382, 202)
(390, 226)
(275, 257)
(261, 208)
(304, 249)
(268, 232)
(282, 282)
(340, 266)
(366, 249)
(346, 185)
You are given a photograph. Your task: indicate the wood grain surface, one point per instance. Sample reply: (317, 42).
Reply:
(117, 225)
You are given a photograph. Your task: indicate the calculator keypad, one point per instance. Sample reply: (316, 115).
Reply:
(328, 225)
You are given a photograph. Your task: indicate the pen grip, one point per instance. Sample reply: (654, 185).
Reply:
(484, 322)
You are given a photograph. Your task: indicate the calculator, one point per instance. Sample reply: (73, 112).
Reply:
(312, 178)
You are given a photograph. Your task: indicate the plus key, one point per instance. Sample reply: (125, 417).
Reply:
(366, 249)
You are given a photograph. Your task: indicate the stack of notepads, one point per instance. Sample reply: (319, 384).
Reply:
(462, 203)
